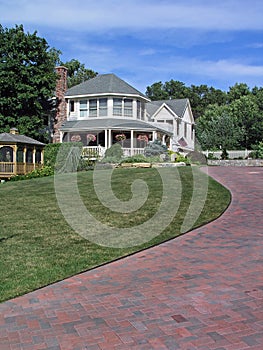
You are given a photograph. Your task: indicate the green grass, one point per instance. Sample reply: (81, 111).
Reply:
(38, 247)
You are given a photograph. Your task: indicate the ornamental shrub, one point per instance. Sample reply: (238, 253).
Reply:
(156, 148)
(114, 151)
(45, 171)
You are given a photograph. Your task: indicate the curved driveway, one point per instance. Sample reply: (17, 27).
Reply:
(203, 290)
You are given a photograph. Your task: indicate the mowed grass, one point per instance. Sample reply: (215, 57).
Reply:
(38, 247)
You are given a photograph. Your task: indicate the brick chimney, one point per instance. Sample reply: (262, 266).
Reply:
(61, 112)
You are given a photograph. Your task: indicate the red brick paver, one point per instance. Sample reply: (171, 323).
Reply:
(203, 290)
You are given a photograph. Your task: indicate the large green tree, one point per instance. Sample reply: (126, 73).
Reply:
(247, 112)
(200, 96)
(27, 81)
(219, 129)
(77, 72)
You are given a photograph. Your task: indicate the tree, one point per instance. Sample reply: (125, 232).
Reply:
(156, 92)
(27, 81)
(77, 73)
(246, 111)
(237, 91)
(218, 129)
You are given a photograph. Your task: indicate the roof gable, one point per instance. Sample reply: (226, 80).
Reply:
(177, 106)
(104, 84)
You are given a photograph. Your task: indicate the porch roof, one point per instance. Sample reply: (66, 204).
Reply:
(110, 123)
(6, 138)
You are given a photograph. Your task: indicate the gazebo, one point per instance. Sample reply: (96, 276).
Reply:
(19, 154)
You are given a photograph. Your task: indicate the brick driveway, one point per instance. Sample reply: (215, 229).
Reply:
(203, 290)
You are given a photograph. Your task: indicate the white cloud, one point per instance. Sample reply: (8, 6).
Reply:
(90, 16)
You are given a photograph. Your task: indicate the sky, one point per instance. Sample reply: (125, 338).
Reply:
(217, 43)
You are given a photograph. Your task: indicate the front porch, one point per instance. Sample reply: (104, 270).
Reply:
(98, 152)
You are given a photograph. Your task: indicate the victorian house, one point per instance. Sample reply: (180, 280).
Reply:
(106, 109)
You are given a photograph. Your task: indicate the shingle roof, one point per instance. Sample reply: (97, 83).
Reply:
(103, 84)
(178, 106)
(14, 138)
(110, 123)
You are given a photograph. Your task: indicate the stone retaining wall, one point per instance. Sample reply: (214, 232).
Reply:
(235, 162)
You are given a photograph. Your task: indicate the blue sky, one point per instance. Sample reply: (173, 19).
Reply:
(218, 43)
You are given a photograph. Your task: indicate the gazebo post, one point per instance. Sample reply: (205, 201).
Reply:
(24, 158)
(42, 157)
(15, 159)
(34, 157)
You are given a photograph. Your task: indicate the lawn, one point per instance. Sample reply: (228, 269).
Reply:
(38, 247)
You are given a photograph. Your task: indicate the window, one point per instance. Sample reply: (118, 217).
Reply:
(128, 108)
(83, 108)
(72, 106)
(93, 108)
(142, 110)
(185, 130)
(138, 109)
(178, 127)
(103, 107)
(117, 106)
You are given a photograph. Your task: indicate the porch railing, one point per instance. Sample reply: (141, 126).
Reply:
(128, 152)
(7, 167)
(99, 151)
(11, 168)
(93, 151)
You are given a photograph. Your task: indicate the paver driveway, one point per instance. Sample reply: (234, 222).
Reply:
(203, 290)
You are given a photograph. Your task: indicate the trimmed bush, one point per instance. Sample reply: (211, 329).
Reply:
(45, 171)
(114, 151)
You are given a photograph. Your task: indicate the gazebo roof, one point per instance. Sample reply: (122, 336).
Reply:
(6, 137)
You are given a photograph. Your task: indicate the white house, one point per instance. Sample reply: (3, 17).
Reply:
(101, 109)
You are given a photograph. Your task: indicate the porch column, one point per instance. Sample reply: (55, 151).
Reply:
(110, 138)
(154, 135)
(106, 138)
(132, 136)
(163, 139)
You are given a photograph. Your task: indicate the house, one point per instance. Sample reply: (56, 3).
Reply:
(19, 154)
(106, 109)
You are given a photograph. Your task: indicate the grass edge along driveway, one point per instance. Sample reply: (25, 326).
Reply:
(38, 247)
